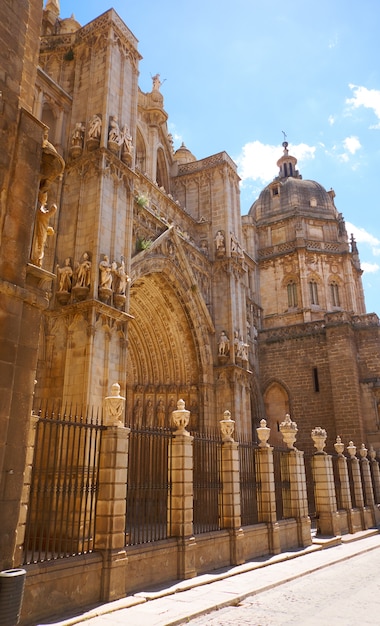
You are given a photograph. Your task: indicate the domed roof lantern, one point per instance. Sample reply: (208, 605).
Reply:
(287, 164)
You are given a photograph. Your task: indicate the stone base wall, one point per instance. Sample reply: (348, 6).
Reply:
(57, 588)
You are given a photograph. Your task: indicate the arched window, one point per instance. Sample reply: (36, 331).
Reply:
(313, 286)
(292, 294)
(334, 292)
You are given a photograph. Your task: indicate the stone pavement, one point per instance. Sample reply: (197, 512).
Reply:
(182, 601)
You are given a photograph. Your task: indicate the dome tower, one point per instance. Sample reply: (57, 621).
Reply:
(307, 266)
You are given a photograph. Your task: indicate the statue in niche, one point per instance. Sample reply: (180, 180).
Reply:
(78, 134)
(114, 407)
(65, 276)
(137, 412)
(114, 131)
(83, 274)
(77, 138)
(220, 243)
(105, 269)
(223, 344)
(160, 413)
(95, 127)
(121, 277)
(41, 228)
(242, 352)
(149, 413)
(126, 140)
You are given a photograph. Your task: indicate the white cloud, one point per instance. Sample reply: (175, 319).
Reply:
(352, 144)
(364, 237)
(257, 161)
(331, 120)
(370, 267)
(368, 98)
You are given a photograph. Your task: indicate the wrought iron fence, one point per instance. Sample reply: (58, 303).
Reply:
(64, 485)
(148, 516)
(337, 481)
(207, 482)
(310, 487)
(248, 483)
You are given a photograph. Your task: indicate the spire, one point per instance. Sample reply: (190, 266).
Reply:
(53, 6)
(287, 163)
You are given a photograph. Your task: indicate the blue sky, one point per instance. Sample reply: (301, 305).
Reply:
(237, 74)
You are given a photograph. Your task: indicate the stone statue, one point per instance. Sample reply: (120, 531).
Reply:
(156, 82)
(160, 413)
(95, 127)
(121, 278)
(242, 352)
(114, 131)
(84, 272)
(41, 228)
(78, 134)
(220, 241)
(149, 413)
(223, 344)
(65, 276)
(105, 273)
(114, 407)
(126, 140)
(137, 412)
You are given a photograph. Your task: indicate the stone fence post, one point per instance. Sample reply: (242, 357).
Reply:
(231, 505)
(110, 537)
(265, 477)
(375, 473)
(344, 494)
(358, 496)
(182, 495)
(324, 487)
(297, 503)
(367, 485)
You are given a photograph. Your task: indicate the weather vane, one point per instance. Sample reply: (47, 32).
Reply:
(284, 143)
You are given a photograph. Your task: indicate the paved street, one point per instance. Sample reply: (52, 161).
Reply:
(345, 594)
(339, 586)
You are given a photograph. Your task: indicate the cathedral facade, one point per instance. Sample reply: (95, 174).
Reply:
(125, 260)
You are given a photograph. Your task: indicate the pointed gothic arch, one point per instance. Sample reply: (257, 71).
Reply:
(168, 342)
(277, 405)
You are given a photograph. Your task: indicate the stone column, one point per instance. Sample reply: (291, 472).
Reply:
(324, 487)
(345, 493)
(297, 503)
(353, 463)
(110, 537)
(265, 477)
(367, 485)
(181, 505)
(231, 511)
(375, 474)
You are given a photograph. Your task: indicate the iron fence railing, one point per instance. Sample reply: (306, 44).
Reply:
(64, 485)
(207, 482)
(248, 483)
(148, 505)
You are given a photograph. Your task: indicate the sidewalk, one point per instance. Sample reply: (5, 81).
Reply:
(177, 603)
